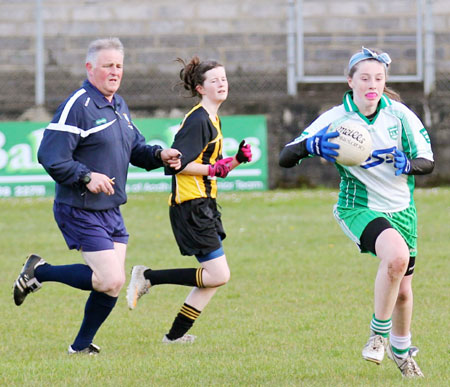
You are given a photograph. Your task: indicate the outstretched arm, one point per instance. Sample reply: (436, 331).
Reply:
(220, 169)
(292, 153)
(317, 145)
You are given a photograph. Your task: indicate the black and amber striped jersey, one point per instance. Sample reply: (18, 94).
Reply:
(199, 139)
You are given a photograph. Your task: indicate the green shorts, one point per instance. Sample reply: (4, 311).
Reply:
(353, 221)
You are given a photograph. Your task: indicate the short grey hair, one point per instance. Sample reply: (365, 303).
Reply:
(102, 44)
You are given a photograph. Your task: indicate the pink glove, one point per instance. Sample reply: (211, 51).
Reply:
(220, 168)
(244, 153)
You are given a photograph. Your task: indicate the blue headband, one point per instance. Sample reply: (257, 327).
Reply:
(365, 53)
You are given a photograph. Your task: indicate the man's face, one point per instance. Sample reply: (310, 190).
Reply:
(106, 73)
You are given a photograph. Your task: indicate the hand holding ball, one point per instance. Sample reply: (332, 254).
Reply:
(320, 144)
(355, 143)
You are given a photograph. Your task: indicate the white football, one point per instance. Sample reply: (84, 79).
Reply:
(354, 141)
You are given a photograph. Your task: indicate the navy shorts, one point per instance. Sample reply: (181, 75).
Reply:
(90, 230)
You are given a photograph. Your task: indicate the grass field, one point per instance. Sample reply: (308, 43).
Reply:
(296, 311)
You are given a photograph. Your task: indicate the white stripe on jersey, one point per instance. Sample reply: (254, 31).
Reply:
(75, 130)
(69, 104)
(344, 227)
(61, 124)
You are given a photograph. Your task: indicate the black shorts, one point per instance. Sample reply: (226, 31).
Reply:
(197, 226)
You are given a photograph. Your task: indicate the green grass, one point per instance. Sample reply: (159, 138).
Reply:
(296, 311)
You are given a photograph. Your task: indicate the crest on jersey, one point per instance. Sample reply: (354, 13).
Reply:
(393, 132)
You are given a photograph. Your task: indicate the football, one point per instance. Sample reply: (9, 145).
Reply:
(354, 141)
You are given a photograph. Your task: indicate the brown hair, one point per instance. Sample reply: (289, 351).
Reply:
(193, 73)
(392, 94)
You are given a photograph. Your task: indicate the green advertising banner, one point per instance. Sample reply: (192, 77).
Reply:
(21, 175)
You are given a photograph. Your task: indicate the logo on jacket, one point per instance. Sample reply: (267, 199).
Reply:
(100, 121)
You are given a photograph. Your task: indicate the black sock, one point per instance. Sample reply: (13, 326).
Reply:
(183, 322)
(186, 277)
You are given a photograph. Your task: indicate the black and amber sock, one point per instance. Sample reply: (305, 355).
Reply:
(186, 277)
(183, 322)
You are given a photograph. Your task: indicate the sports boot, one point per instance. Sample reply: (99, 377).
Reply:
(138, 285)
(26, 282)
(374, 349)
(92, 350)
(185, 339)
(407, 366)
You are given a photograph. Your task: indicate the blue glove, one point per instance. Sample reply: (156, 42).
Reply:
(401, 162)
(320, 146)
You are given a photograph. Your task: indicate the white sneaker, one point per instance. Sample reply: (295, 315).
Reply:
(183, 339)
(407, 366)
(374, 349)
(138, 285)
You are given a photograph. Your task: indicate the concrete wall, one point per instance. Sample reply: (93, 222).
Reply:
(248, 36)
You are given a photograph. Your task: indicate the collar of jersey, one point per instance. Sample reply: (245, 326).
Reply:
(350, 106)
(98, 98)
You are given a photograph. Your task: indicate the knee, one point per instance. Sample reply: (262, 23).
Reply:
(222, 278)
(397, 265)
(113, 285)
(117, 283)
(226, 277)
(405, 295)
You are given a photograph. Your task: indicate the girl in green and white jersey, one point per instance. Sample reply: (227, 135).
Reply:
(376, 207)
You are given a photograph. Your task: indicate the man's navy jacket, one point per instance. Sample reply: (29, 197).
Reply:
(88, 133)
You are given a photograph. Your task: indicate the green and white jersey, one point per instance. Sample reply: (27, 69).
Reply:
(373, 184)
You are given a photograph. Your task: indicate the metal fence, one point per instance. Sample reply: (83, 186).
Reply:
(443, 67)
(143, 90)
(319, 54)
(258, 64)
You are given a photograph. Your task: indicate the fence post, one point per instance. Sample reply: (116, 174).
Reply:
(291, 49)
(429, 51)
(39, 87)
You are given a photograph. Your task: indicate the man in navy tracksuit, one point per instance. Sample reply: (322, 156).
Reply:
(87, 149)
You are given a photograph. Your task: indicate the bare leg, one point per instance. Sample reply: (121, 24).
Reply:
(394, 255)
(108, 268)
(200, 297)
(215, 273)
(401, 318)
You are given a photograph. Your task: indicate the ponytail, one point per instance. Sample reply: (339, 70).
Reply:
(193, 73)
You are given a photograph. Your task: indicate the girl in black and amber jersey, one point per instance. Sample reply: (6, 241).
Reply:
(196, 221)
